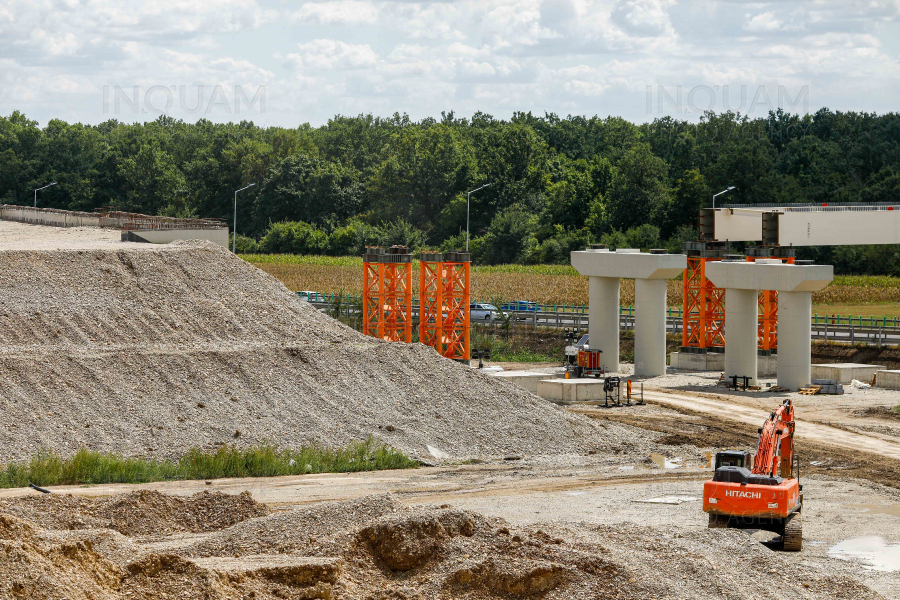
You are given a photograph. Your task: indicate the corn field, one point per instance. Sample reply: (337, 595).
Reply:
(550, 284)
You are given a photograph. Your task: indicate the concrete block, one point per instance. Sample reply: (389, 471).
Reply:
(887, 379)
(715, 361)
(845, 372)
(527, 380)
(564, 391)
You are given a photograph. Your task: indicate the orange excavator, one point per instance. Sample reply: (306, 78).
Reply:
(761, 492)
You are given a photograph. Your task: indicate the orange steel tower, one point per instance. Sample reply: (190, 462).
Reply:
(455, 297)
(373, 292)
(703, 316)
(431, 304)
(387, 293)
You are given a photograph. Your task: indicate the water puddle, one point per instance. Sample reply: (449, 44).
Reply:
(880, 509)
(871, 550)
(663, 462)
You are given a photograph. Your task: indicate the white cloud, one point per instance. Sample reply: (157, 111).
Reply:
(764, 22)
(333, 54)
(324, 57)
(351, 12)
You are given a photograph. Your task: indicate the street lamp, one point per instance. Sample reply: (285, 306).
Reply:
(39, 189)
(468, 195)
(725, 191)
(234, 229)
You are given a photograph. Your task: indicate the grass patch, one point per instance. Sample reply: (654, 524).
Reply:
(89, 467)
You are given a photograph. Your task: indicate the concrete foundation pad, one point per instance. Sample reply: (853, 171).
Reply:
(889, 380)
(715, 361)
(565, 391)
(527, 380)
(845, 372)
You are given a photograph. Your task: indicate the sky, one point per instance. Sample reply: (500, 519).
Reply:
(288, 63)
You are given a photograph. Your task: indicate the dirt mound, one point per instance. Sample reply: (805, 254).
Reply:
(34, 568)
(374, 548)
(406, 542)
(167, 576)
(144, 512)
(158, 349)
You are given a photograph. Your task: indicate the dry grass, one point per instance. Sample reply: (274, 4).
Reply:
(559, 284)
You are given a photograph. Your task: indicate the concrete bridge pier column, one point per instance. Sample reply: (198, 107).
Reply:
(741, 333)
(603, 311)
(794, 334)
(649, 327)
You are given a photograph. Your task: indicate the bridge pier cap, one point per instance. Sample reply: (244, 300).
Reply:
(605, 268)
(769, 274)
(628, 263)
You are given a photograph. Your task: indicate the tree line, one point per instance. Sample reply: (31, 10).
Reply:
(555, 184)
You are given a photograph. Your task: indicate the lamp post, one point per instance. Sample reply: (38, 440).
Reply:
(468, 195)
(725, 191)
(39, 189)
(234, 229)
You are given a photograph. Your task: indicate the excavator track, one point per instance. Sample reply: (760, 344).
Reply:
(717, 521)
(792, 538)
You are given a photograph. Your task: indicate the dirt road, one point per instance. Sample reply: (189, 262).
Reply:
(808, 431)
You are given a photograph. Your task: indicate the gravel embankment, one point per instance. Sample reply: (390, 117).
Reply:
(152, 350)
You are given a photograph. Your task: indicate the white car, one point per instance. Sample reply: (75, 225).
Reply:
(485, 312)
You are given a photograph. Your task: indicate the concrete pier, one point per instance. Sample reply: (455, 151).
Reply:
(741, 333)
(603, 310)
(649, 327)
(650, 271)
(795, 285)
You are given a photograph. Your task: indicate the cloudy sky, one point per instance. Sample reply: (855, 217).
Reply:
(287, 63)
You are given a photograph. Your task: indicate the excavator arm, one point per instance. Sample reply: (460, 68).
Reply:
(775, 451)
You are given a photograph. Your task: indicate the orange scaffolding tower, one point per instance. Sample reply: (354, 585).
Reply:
(444, 298)
(387, 293)
(431, 305)
(703, 315)
(456, 297)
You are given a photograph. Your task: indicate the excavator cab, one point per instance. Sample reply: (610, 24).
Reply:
(734, 458)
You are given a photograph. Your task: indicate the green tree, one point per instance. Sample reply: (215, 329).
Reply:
(638, 188)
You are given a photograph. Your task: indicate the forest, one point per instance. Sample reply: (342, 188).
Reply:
(554, 184)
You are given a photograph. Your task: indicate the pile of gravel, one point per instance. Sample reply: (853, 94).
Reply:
(152, 350)
(140, 513)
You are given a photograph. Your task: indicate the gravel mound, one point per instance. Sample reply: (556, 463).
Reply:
(140, 513)
(153, 350)
(322, 530)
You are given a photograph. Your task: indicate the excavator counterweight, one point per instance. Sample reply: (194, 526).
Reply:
(760, 492)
